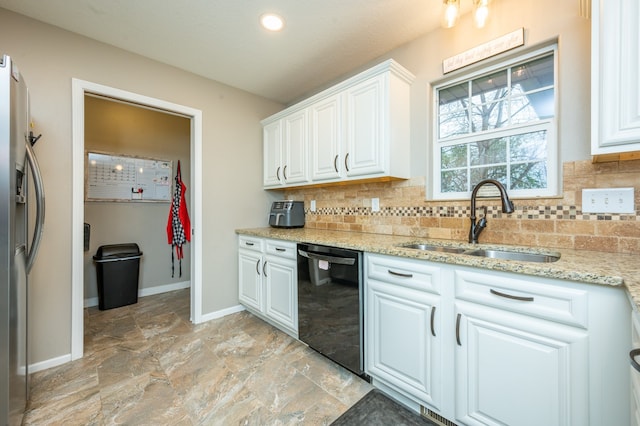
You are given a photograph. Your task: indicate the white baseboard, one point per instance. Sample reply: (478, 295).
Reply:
(222, 313)
(148, 291)
(53, 362)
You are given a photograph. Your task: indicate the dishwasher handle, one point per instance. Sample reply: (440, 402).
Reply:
(331, 259)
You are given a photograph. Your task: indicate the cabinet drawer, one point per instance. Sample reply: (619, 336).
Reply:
(280, 248)
(409, 273)
(250, 243)
(530, 296)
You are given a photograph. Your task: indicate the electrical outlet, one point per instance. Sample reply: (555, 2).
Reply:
(375, 204)
(608, 200)
(313, 206)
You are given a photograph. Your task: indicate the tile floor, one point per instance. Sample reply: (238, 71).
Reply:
(146, 364)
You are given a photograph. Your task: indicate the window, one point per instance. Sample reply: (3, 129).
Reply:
(498, 125)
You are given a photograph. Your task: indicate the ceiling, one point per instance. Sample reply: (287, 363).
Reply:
(222, 40)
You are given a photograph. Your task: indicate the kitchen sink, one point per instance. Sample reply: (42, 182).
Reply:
(491, 253)
(428, 247)
(514, 255)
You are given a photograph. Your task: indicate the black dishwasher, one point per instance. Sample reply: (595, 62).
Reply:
(330, 304)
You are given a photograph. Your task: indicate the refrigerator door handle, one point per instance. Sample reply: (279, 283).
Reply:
(37, 183)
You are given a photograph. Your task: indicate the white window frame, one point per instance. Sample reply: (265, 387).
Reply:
(548, 125)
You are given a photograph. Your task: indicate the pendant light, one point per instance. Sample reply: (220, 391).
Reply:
(480, 12)
(450, 12)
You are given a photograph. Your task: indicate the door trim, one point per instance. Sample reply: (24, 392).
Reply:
(78, 91)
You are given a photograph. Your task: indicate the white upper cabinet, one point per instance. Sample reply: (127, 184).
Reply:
(357, 129)
(615, 74)
(364, 127)
(326, 138)
(286, 149)
(272, 154)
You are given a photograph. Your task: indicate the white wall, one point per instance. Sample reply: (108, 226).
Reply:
(232, 157)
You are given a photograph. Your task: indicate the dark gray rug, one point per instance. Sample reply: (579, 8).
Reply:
(376, 409)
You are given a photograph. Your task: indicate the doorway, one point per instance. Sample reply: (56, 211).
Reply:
(81, 88)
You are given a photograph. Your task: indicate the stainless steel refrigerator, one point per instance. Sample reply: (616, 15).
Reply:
(17, 251)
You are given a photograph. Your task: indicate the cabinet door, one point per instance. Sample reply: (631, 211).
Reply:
(250, 278)
(403, 340)
(272, 155)
(295, 148)
(615, 76)
(281, 292)
(365, 133)
(326, 139)
(514, 370)
(635, 374)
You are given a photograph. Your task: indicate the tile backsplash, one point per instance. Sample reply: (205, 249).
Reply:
(542, 222)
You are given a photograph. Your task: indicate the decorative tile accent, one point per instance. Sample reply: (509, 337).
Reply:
(521, 212)
(548, 222)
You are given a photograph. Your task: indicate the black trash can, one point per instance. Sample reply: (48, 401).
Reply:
(117, 270)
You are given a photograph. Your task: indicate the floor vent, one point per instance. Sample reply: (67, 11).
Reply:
(434, 417)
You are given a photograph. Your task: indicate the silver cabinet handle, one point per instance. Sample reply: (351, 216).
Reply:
(284, 172)
(280, 249)
(458, 329)
(399, 274)
(335, 163)
(278, 173)
(433, 314)
(258, 267)
(633, 354)
(264, 271)
(346, 161)
(249, 244)
(509, 296)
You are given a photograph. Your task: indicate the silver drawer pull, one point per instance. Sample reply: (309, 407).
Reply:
(249, 244)
(280, 249)
(510, 296)
(633, 354)
(400, 274)
(433, 314)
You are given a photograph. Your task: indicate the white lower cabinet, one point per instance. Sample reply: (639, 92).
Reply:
(480, 347)
(635, 368)
(402, 326)
(522, 351)
(267, 274)
(511, 370)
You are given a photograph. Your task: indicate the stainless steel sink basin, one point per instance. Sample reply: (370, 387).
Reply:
(491, 253)
(427, 247)
(513, 255)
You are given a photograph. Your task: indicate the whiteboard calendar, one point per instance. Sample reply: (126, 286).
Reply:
(125, 178)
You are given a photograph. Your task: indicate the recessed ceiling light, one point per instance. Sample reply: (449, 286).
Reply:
(272, 22)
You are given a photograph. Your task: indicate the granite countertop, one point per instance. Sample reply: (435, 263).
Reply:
(594, 267)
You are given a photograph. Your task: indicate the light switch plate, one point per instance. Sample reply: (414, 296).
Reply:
(313, 206)
(608, 200)
(375, 204)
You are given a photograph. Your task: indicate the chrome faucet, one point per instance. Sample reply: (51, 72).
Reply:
(507, 207)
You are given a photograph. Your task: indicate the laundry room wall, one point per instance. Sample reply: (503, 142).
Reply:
(123, 129)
